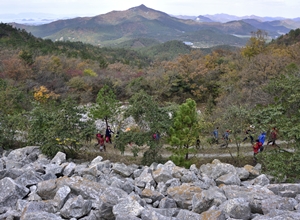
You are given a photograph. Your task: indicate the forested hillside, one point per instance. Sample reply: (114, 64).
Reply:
(258, 84)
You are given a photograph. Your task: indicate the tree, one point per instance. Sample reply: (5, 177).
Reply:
(13, 103)
(185, 128)
(150, 119)
(57, 127)
(236, 118)
(284, 114)
(107, 106)
(254, 46)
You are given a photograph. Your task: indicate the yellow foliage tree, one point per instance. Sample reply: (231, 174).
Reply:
(89, 72)
(42, 94)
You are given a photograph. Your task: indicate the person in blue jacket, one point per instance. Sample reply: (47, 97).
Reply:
(261, 139)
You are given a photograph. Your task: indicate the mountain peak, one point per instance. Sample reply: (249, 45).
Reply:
(141, 7)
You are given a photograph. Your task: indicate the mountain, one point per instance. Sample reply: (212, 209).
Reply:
(271, 26)
(223, 18)
(115, 27)
(201, 18)
(289, 23)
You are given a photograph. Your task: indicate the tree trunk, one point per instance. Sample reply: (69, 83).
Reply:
(187, 153)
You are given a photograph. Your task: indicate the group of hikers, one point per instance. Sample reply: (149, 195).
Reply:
(101, 139)
(258, 145)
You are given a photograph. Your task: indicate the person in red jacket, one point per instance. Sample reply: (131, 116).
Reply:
(101, 143)
(273, 136)
(256, 149)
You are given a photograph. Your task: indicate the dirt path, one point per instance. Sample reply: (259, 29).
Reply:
(204, 152)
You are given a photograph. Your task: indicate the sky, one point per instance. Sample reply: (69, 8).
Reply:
(263, 8)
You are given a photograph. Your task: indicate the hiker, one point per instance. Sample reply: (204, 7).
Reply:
(273, 136)
(248, 134)
(216, 135)
(256, 149)
(262, 138)
(226, 138)
(108, 134)
(101, 143)
(198, 142)
(156, 136)
(98, 136)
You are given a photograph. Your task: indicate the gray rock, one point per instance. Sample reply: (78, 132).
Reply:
(253, 194)
(204, 200)
(229, 179)
(169, 212)
(279, 215)
(214, 215)
(237, 208)
(29, 178)
(150, 214)
(2, 164)
(201, 202)
(242, 173)
(33, 196)
(108, 199)
(183, 194)
(22, 154)
(217, 169)
(59, 158)
(137, 173)
(188, 215)
(162, 174)
(10, 192)
(188, 177)
(40, 215)
(152, 194)
(54, 169)
(125, 185)
(49, 176)
(128, 206)
(166, 203)
(145, 177)
(162, 188)
(122, 169)
(10, 164)
(76, 207)
(253, 171)
(285, 190)
(96, 160)
(127, 217)
(39, 206)
(11, 173)
(277, 202)
(99, 190)
(69, 169)
(261, 180)
(61, 196)
(173, 182)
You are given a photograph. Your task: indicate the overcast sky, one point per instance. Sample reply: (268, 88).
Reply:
(272, 8)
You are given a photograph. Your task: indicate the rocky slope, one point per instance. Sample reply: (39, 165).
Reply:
(35, 187)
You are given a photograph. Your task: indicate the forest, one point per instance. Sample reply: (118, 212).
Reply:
(180, 92)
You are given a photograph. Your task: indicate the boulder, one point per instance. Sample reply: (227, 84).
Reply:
(10, 192)
(76, 207)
